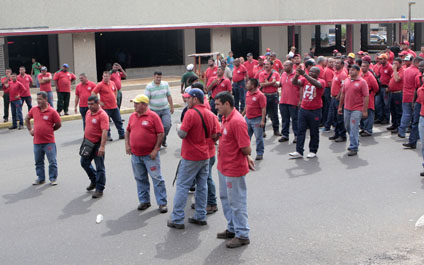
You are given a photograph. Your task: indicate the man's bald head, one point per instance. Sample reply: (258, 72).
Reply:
(314, 72)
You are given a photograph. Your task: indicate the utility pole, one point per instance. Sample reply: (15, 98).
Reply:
(409, 20)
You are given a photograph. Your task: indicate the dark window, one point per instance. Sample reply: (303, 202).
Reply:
(203, 42)
(244, 40)
(23, 48)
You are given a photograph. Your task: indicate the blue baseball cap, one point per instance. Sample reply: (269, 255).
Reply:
(194, 92)
(65, 65)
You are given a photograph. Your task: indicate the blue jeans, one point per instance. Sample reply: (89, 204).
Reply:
(188, 172)
(421, 132)
(28, 102)
(142, 167)
(308, 119)
(239, 91)
(165, 116)
(49, 150)
(254, 127)
(233, 194)
(396, 108)
(334, 117)
(210, 183)
(406, 118)
(367, 124)
(413, 136)
(272, 110)
(50, 98)
(16, 107)
(352, 119)
(382, 105)
(212, 105)
(326, 101)
(37, 83)
(98, 175)
(83, 111)
(115, 115)
(288, 112)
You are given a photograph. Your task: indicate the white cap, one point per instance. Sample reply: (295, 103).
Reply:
(190, 67)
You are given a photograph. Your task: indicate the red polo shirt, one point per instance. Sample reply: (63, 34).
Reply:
(231, 160)
(239, 73)
(263, 78)
(257, 70)
(277, 65)
(43, 124)
(354, 93)
(411, 52)
(372, 87)
(339, 77)
(420, 99)
(224, 84)
(255, 102)
(328, 76)
(250, 66)
(211, 142)
(385, 72)
(312, 96)
(391, 57)
(211, 72)
(16, 89)
(321, 72)
(5, 89)
(410, 83)
(64, 80)
(289, 92)
(143, 131)
(95, 124)
(107, 92)
(83, 91)
(397, 85)
(26, 80)
(46, 87)
(195, 146)
(116, 77)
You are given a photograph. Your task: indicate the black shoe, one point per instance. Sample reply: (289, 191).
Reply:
(122, 120)
(5, 120)
(365, 134)
(401, 136)
(390, 128)
(92, 186)
(38, 182)
(259, 157)
(409, 146)
(295, 140)
(394, 131)
(264, 135)
(352, 153)
(408, 130)
(13, 127)
(20, 127)
(277, 134)
(121, 137)
(174, 225)
(192, 190)
(193, 206)
(283, 139)
(109, 139)
(334, 137)
(197, 222)
(340, 139)
(163, 208)
(422, 174)
(377, 122)
(164, 144)
(225, 235)
(66, 114)
(143, 206)
(97, 194)
(384, 122)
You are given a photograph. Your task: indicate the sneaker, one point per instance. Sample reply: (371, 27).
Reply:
(66, 114)
(340, 139)
(401, 136)
(192, 190)
(394, 131)
(334, 137)
(237, 242)
(295, 140)
(53, 182)
(193, 206)
(97, 194)
(91, 187)
(365, 134)
(295, 155)
(121, 137)
(311, 155)
(109, 139)
(225, 235)
(20, 127)
(163, 208)
(38, 182)
(264, 135)
(259, 157)
(283, 139)
(422, 174)
(143, 206)
(13, 127)
(164, 144)
(210, 209)
(352, 153)
(197, 222)
(174, 225)
(409, 146)
(277, 134)
(5, 120)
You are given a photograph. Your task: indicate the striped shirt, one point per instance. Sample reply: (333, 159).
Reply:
(158, 95)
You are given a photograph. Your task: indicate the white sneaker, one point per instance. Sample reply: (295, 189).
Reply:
(311, 155)
(295, 155)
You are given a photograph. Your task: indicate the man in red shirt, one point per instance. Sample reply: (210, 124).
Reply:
(239, 84)
(382, 104)
(250, 64)
(44, 79)
(422, 52)
(63, 79)
(326, 97)
(312, 88)
(46, 121)
(255, 113)
(297, 61)
(97, 125)
(82, 93)
(16, 89)
(198, 125)
(218, 84)
(390, 55)
(268, 80)
(355, 98)
(6, 98)
(108, 92)
(116, 75)
(405, 48)
(395, 89)
(277, 65)
(143, 139)
(211, 71)
(289, 102)
(257, 69)
(233, 165)
(26, 80)
(420, 99)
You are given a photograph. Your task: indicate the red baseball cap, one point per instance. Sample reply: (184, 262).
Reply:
(405, 43)
(268, 49)
(335, 51)
(360, 52)
(366, 58)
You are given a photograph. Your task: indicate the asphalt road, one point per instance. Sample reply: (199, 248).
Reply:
(333, 209)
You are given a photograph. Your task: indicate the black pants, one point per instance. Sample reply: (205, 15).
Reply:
(272, 110)
(27, 101)
(6, 103)
(63, 101)
(308, 119)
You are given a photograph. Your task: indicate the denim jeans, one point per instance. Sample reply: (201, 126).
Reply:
(272, 110)
(119, 99)
(189, 171)
(421, 132)
(396, 108)
(288, 112)
(254, 127)
(239, 91)
(37, 83)
(406, 118)
(308, 119)
(352, 119)
(98, 175)
(368, 123)
(233, 194)
(212, 105)
(382, 105)
(49, 150)
(142, 167)
(63, 101)
(115, 115)
(335, 118)
(16, 107)
(28, 102)
(210, 183)
(413, 136)
(50, 98)
(165, 116)
(83, 111)
(6, 104)
(326, 101)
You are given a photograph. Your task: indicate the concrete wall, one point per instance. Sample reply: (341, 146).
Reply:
(84, 45)
(274, 38)
(221, 40)
(175, 70)
(66, 51)
(189, 44)
(306, 34)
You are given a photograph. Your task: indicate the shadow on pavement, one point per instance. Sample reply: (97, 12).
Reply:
(77, 206)
(352, 162)
(73, 142)
(28, 193)
(132, 220)
(337, 147)
(304, 168)
(222, 253)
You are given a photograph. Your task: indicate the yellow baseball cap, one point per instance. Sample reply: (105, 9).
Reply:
(140, 99)
(351, 55)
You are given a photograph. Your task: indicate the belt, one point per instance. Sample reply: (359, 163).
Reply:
(270, 94)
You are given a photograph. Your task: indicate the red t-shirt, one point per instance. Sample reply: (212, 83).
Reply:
(210, 72)
(397, 85)
(231, 160)
(116, 77)
(263, 78)
(195, 146)
(328, 76)
(277, 65)
(83, 91)
(239, 73)
(339, 77)
(411, 52)
(250, 66)
(16, 89)
(64, 80)
(321, 72)
(421, 55)
(5, 89)
(420, 99)
(289, 92)
(43, 124)
(385, 72)
(46, 87)
(354, 93)
(372, 87)
(391, 57)
(26, 80)
(257, 70)
(312, 96)
(95, 124)
(211, 142)
(224, 84)
(107, 92)
(255, 102)
(143, 131)
(410, 83)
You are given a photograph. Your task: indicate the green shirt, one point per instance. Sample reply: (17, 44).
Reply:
(186, 76)
(158, 95)
(35, 69)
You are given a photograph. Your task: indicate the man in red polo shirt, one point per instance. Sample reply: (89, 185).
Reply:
(211, 71)
(6, 98)
(382, 104)
(390, 55)
(297, 61)
(16, 89)
(218, 84)
(239, 84)
(46, 121)
(405, 48)
(395, 90)
(233, 165)
(63, 79)
(97, 125)
(368, 76)
(354, 98)
(108, 92)
(82, 93)
(26, 80)
(143, 139)
(198, 125)
(116, 75)
(268, 80)
(250, 64)
(326, 97)
(44, 79)
(255, 113)
(321, 64)
(277, 65)
(257, 69)
(422, 52)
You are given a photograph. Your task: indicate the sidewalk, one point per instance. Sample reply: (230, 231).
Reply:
(130, 89)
